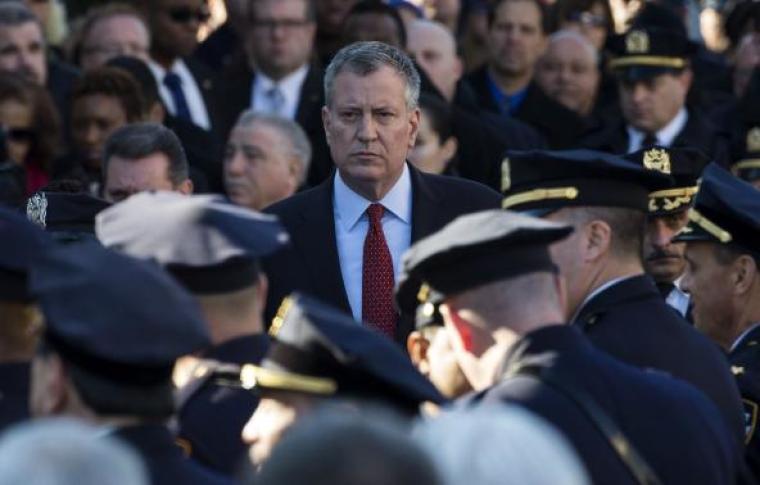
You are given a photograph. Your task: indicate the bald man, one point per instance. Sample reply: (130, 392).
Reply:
(434, 49)
(568, 72)
(483, 137)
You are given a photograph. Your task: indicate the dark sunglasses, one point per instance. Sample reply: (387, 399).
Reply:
(588, 18)
(183, 15)
(19, 134)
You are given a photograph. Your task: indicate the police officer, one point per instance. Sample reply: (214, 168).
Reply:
(212, 248)
(319, 356)
(723, 278)
(114, 328)
(667, 214)
(610, 298)
(652, 62)
(20, 322)
(504, 307)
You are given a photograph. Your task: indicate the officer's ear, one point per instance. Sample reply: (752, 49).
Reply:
(50, 386)
(598, 239)
(745, 274)
(417, 346)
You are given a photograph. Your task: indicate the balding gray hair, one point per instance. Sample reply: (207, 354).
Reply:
(497, 444)
(15, 13)
(579, 38)
(300, 146)
(364, 58)
(66, 452)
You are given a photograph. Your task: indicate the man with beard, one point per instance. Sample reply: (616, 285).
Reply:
(668, 213)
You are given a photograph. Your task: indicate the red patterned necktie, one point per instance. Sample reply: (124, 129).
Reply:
(377, 277)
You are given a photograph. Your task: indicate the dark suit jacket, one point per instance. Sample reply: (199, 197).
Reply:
(631, 321)
(213, 92)
(673, 426)
(561, 127)
(311, 263)
(745, 365)
(163, 457)
(238, 82)
(697, 133)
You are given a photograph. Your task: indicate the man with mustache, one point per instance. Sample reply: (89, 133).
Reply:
(668, 214)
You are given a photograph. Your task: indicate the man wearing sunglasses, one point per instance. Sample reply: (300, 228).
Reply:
(186, 86)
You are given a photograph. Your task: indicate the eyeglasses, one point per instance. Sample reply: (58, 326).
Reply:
(183, 15)
(588, 19)
(19, 135)
(284, 24)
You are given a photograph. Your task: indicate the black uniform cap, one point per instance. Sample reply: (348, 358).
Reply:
(208, 244)
(727, 211)
(67, 216)
(657, 42)
(747, 160)
(416, 298)
(483, 247)
(21, 242)
(318, 350)
(684, 165)
(543, 181)
(116, 317)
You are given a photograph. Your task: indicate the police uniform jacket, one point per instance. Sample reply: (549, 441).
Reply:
(677, 431)
(745, 365)
(698, 132)
(14, 393)
(164, 459)
(630, 321)
(213, 415)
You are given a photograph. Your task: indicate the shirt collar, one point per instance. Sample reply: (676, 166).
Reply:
(159, 71)
(743, 336)
(351, 206)
(290, 83)
(666, 135)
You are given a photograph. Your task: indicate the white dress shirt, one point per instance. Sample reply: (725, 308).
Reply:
(198, 110)
(290, 87)
(664, 137)
(678, 299)
(352, 222)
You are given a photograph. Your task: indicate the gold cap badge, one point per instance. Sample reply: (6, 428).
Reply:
(637, 42)
(506, 176)
(753, 139)
(657, 159)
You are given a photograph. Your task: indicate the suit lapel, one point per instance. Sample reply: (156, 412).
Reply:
(426, 215)
(320, 249)
(310, 99)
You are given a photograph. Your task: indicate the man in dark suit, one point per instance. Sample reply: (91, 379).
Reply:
(348, 233)
(652, 64)
(517, 37)
(503, 306)
(95, 363)
(610, 297)
(723, 277)
(284, 81)
(187, 87)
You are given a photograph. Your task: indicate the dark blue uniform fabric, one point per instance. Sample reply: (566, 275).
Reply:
(14, 393)
(166, 463)
(212, 418)
(630, 321)
(673, 426)
(745, 365)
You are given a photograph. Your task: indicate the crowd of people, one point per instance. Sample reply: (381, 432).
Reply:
(379, 242)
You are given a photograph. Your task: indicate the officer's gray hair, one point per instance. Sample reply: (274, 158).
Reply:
(580, 39)
(15, 13)
(300, 146)
(364, 58)
(492, 445)
(66, 452)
